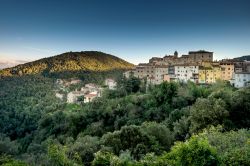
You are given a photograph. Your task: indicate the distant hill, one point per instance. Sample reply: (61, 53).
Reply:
(90, 61)
(10, 63)
(243, 58)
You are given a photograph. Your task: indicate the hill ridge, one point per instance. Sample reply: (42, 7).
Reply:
(70, 61)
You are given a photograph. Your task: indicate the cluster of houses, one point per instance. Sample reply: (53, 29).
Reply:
(197, 66)
(87, 93)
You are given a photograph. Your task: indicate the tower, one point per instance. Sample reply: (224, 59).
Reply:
(176, 54)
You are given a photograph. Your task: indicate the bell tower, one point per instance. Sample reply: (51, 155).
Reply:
(176, 54)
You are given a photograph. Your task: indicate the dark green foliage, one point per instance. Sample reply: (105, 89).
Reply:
(240, 111)
(164, 93)
(130, 138)
(207, 112)
(132, 85)
(7, 146)
(23, 100)
(181, 128)
(84, 148)
(159, 133)
(126, 126)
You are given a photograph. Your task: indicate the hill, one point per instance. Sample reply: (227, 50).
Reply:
(89, 61)
(243, 58)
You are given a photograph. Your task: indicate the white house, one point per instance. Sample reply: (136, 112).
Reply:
(241, 79)
(89, 97)
(184, 73)
(60, 96)
(72, 97)
(110, 83)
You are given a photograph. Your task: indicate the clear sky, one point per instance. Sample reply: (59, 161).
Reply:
(134, 30)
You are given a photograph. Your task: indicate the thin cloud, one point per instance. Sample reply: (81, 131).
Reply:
(6, 63)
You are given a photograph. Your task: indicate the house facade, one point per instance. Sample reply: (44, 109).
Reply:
(110, 83)
(241, 79)
(183, 73)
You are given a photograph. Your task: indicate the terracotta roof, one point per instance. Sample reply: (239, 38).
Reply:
(90, 95)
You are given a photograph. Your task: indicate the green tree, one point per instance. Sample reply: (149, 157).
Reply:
(233, 147)
(194, 152)
(160, 133)
(132, 84)
(106, 159)
(58, 157)
(84, 148)
(181, 128)
(6, 160)
(240, 110)
(165, 92)
(207, 112)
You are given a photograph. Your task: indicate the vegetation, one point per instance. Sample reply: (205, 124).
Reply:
(70, 63)
(167, 124)
(243, 58)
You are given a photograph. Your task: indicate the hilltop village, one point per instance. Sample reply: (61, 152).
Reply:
(198, 67)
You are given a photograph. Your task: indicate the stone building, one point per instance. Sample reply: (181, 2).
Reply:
(200, 56)
(144, 70)
(192, 57)
(227, 70)
(209, 74)
(74, 96)
(129, 73)
(158, 73)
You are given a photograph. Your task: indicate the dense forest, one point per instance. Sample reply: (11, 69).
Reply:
(70, 62)
(168, 124)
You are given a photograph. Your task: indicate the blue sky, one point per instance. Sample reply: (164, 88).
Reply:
(134, 30)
